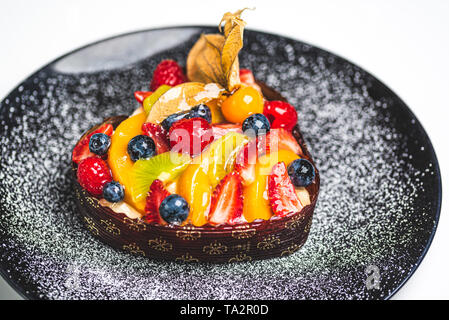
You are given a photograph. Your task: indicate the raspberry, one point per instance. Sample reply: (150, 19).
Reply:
(93, 173)
(167, 72)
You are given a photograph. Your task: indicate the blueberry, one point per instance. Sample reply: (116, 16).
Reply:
(301, 172)
(201, 111)
(256, 124)
(171, 119)
(174, 209)
(99, 143)
(141, 147)
(113, 192)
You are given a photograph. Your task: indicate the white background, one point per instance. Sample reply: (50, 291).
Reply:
(403, 43)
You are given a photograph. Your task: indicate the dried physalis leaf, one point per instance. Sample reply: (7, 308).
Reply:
(183, 97)
(204, 60)
(214, 57)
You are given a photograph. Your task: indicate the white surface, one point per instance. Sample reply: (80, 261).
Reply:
(404, 43)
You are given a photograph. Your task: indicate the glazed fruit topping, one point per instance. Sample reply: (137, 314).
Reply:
(141, 147)
(281, 114)
(174, 209)
(155, 197)
(99, 144)
(281, 192)
(113, 192)
(141, 95)
(167, 72)
(159, 136)
(93, 174)
(190, 136)
(301, 172)
(81, 150)
(256, 125)
(227, 201)
(199, 111)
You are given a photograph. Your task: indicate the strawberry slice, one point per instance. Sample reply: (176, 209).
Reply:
(141, 95)
(219, 130)
(281, 192)
(245, 162)
(155, 197)
(227, 201)
(159, 136)
(280, 139)
(81, 150)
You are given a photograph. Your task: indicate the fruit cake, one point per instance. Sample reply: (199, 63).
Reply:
(211, 166)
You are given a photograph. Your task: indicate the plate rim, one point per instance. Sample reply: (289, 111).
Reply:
(27, 295)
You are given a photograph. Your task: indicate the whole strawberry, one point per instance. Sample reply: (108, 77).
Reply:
(93, 173)
(190, 135)
(167, 72)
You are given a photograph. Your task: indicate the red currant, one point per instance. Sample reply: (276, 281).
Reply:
(280, 114)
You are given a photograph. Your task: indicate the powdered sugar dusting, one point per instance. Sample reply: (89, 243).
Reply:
(374, 209)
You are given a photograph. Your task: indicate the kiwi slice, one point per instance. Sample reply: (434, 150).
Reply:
(165, 167)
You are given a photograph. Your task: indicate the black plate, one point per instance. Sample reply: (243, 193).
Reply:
(376, 216)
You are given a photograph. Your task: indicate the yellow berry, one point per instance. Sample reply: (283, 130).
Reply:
(241, 104)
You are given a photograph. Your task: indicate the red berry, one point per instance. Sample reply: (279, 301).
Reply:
(227, 201)
(280, 114)
(155, 197)
(281, 192)
(167, 72)
(81, 150)
(141, 95)
(93, 173)
(159, 136)
(190, 135)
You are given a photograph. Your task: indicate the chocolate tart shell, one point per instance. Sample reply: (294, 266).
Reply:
(260, 239)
